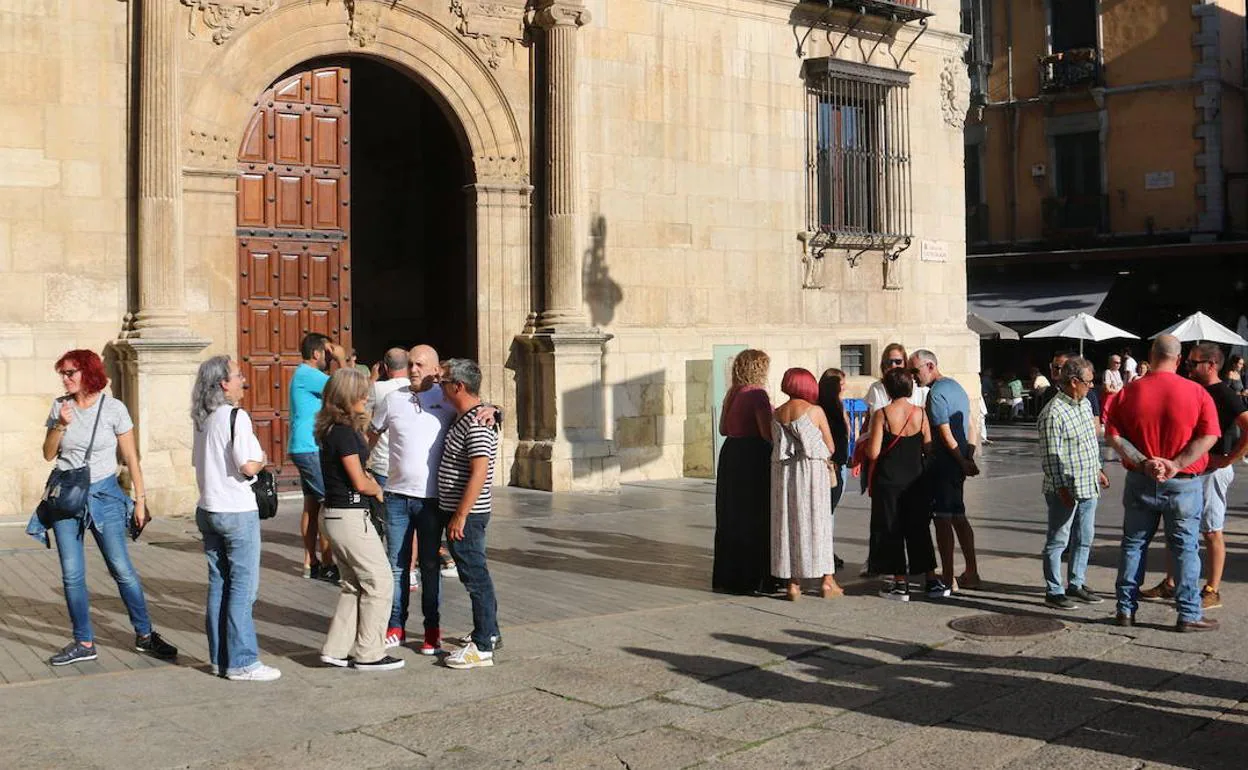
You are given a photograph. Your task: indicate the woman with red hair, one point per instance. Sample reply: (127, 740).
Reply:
(801, 488)
(86, 428)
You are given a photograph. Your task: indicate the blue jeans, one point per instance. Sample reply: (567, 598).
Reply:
(405, 517)
(1178, 504)
(474, 573)
(232, 545)
(1076, 526)
(110, 510)
(310, 479)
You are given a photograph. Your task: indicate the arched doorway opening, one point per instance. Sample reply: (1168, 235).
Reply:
(353, 222)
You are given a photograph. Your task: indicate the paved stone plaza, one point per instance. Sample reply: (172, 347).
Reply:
(617, 656)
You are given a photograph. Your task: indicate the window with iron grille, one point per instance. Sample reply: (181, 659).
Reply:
(858, 150)
(854, 359)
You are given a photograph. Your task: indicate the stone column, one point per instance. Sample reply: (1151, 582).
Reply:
(158, 354)
(564, 304)
(162, 292)
(560, 389)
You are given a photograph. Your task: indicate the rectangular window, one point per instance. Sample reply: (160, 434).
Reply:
(854, 359)
(858, 149)
(1078, 164)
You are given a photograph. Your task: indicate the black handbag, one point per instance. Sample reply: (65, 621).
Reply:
(67, 491)
(263, 484)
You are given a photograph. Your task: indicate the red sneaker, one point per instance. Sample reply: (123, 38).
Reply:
(395, 637)
(433, 642)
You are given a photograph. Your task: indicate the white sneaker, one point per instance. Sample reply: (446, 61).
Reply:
(496, 641)
(257, 673)
(469, 656)
(413, 580)
(450, 571)
(332, 661)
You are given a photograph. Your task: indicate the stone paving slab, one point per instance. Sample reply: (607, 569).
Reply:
(617, 656)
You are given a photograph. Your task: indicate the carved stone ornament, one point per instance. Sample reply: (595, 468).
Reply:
(495, 25)
(222, 17)
(812, 263)
(955, 93)
(501, 170)
(554, 13)
(207, 150)
(363, 19)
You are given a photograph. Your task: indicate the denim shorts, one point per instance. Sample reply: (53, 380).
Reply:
(947, 482)
(1213, 517)
(309, 465)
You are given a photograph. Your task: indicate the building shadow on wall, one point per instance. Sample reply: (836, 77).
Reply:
(602, 294)
(699, 421)
(640, 407)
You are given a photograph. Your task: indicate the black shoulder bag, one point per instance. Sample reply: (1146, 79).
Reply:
(263, 484)
(66, 493)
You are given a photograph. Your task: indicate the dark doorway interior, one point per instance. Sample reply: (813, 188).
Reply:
(413, 271)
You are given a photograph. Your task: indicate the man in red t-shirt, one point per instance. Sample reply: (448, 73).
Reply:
(1163, 427)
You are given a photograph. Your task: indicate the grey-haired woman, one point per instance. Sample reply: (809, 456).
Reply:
(227, 454)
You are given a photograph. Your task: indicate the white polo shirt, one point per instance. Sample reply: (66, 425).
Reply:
(379, 459)
(416, 424)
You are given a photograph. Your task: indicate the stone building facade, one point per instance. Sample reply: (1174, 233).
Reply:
(634, 183)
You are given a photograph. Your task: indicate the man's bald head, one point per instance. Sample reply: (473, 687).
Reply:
(396, 361)
(1164, 355)
(423, 367)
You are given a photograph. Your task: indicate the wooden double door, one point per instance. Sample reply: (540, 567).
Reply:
(293, 230)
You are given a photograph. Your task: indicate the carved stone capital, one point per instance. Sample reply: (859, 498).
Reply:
(561, 13)
(505, 170)
(221, 17)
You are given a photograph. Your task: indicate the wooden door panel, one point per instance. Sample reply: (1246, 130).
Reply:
(293, 230)
(326, 141)
(289, 141)
(291, 210)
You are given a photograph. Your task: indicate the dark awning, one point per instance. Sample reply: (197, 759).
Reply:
(1022, 303)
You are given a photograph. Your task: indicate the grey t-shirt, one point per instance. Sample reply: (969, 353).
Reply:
(114, 421)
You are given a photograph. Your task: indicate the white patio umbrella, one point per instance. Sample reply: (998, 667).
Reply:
(1082, 326)
(988, 329)
(1199, 327)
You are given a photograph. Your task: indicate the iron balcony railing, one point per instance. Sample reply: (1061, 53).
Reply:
(898, 10)
(1075, 68)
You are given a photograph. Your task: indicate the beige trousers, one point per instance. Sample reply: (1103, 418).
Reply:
(358, 628)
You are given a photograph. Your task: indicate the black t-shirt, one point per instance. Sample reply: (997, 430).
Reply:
(340, 442)
(1230, 406)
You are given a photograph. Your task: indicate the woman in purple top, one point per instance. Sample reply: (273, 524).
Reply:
(743, 480)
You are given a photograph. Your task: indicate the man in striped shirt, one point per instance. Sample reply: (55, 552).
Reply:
(1073, 480)
(465, 477)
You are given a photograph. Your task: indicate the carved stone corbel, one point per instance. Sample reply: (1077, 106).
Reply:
(221, 16)
(363, 19)
(495, 25)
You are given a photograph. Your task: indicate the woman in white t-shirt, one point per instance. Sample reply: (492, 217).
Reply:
(228, 518)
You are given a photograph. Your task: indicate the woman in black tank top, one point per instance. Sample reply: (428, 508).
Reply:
(901, 542)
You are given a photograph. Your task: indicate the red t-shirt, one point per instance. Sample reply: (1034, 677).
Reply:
(740, 421)
(1161, 414)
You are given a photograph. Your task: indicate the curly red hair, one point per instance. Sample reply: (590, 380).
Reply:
(94, 378)
(800, 383)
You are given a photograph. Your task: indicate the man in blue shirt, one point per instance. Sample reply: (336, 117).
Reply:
(306, 386)
(949, 412)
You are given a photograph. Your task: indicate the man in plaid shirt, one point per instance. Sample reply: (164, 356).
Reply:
(1073, 480)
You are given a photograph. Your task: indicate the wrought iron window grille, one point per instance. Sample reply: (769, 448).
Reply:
(858, 187)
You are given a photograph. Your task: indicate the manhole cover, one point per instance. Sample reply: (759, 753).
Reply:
(994, 624)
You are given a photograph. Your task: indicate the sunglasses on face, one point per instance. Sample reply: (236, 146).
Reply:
(895, 362)
(68, 373)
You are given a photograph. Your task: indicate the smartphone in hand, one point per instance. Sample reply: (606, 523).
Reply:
(136, 529)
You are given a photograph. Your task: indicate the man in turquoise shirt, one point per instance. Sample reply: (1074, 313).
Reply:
(306, 386)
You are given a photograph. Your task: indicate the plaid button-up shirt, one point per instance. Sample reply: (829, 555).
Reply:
(1068, 444)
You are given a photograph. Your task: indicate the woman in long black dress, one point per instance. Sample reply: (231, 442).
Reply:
(901, 541)
(831, 384)
(743, 480)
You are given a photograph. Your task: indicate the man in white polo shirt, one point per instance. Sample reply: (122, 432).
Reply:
(415, 418)
(395, 365)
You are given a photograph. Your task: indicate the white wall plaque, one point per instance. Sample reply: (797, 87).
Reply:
(1159, 180)
(934, 251)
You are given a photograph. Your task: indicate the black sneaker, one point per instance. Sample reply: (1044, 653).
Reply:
(386, 663)
(74, 652)
(936, 589)
(312, 571)
(153, 645)
(1059, 602)
(1084, 595)
(330, 574)
(896, 590)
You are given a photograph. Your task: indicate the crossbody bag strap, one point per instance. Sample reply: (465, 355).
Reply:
(86, 460)
(233, 417)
